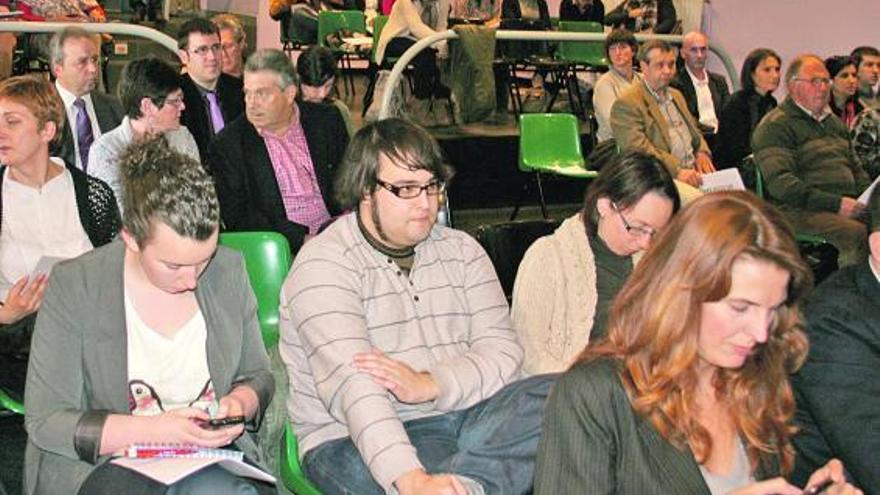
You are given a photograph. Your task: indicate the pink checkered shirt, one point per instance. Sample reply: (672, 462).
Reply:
(295, 175)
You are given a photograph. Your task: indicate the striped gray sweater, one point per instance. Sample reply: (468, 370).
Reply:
(448, 317)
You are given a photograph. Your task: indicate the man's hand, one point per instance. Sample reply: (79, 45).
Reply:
(408, 385)
(418, 482)
(23, 299)
(689, 176)
(850, 208)
(703, 163)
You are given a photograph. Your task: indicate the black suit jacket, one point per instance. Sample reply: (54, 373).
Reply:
(717, 86)
(838, 389)
(109, 114)
(593, 441)
(195, 115)
(246, 186)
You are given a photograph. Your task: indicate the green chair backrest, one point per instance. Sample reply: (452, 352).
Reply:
(331, 21)
(583, 52)
(378, 25)
(267, 259)
(7, 402)
(291, 472)
(549, 140)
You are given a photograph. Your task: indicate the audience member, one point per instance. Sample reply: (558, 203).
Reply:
(689, 391)
(50, 210)
(212, 99)
(582, 10)
(705, 92)
(61, 10)
(152, 100)
(139, 341)
(486, 12)
(759, 79)
(397, 339)
(147, 9)
(653, 118)
(233, 44)
(530, 10)
(620, 50)
(566, 281)
(300, 17)
(868, 66)
(809, 171)
(412, 20)
(317, 70)
(866, 141)
(73, 56)
(844, 101)
(644, 16)
(274, 166)
(838, 388)
(8, 42)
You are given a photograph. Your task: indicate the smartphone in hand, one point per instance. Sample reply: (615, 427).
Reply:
(218, 423)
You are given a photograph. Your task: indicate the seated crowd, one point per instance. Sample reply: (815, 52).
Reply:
(661, 340)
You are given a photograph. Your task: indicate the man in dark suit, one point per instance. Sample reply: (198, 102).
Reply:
(705, 92)
(273, 167)
(74, 60)
(212, 99)
(838, 389)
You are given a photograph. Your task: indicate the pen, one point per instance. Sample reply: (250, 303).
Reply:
(816, 489)
(142, 452)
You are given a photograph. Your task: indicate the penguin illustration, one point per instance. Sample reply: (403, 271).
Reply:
(143, 400)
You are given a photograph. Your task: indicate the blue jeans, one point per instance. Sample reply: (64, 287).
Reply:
(493, 443)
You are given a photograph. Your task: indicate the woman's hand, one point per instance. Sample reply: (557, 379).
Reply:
(830, 473)
(23, 299)
(182, 426)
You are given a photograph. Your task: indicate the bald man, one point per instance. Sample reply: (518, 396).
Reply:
(705, 92)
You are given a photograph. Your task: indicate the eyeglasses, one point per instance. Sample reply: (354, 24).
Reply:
(174, 102)
(632, 229)
(433, 188)
(816, 82)
(204, 49)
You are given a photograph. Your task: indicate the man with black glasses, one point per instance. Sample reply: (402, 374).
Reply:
(212, 99)
(274, 166)
(396, 336)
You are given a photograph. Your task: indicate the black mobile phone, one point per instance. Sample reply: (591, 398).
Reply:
(217, 423)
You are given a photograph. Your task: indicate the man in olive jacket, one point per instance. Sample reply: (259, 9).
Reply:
(810, 173)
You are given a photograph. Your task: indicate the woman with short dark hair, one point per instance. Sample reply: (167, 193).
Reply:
(759, 77)
(317, 70)
(567, 280)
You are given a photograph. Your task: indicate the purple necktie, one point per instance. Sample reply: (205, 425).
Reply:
(84, 136)
(216, 114)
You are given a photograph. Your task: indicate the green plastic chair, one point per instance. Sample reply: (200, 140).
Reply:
(267, 259)
(291, 472)
(331, 21)
(9, 404)
(550, 143)
(588, 53)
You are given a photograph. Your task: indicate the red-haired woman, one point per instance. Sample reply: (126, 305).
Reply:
(689, 391)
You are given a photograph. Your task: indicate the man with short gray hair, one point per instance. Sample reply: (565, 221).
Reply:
(803, 152)
(274, 165)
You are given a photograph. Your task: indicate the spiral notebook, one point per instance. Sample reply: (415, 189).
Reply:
(169, 464)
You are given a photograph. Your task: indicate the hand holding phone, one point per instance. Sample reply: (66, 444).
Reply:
(218, 423)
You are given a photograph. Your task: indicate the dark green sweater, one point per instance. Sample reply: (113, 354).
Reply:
(806, 164)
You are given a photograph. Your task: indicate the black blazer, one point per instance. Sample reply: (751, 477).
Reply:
(109, 114)
(246, 186)
(717, 87)
(195, 115)
(738, 119)
(838, 389)
(593, 441)
(568, 11)
(666, 17)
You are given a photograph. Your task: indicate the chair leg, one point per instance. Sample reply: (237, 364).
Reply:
(541, 194)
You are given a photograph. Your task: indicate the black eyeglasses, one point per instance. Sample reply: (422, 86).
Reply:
(632, 229)
(432, 188)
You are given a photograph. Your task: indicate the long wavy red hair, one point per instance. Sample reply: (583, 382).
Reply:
(654, 323)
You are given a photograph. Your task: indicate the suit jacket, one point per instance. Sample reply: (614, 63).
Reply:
(838, 388)
(78, 368)
(109, 114)
(246, 185)
(638, 125)
(594, 442)
(195, 116)
(717, 87)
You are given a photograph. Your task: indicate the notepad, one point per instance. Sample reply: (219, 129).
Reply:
(169, 464)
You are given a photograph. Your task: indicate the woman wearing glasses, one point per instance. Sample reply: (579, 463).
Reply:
(689, 392)
(149, 90)
(566, 281)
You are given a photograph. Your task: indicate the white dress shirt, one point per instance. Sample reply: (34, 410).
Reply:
(705, 105)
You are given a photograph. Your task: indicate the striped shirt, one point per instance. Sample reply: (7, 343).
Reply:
(448, 317)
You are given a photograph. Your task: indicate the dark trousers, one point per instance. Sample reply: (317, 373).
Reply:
(110, 479)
